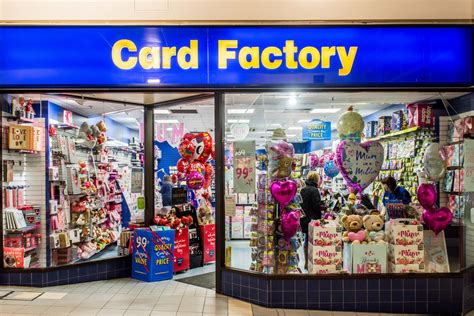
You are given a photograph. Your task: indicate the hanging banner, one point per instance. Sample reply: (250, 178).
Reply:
(169, 132)
(317, 130)
(244, 167)
(468, 165)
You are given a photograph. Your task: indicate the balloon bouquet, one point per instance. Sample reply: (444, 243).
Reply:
(194, 166)
(283, 191)
(437, 219)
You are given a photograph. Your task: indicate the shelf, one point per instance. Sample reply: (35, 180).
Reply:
(402, 132)
(30, 248)
(65, 126)
(22, 230)
(20, 120)
(22, 151)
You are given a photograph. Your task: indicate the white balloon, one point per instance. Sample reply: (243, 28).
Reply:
(434, 165)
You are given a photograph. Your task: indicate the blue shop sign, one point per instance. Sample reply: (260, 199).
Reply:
(317, 130)
(320, 56)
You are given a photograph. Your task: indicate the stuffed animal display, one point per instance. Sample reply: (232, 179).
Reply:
(354, 226)
(373, 225)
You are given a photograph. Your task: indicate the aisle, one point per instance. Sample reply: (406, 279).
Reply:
(132, 297)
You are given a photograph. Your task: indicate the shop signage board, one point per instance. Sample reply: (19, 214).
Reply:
(152, 255)
(179, 196)
(137, 180)
(216, 56)
(468, 165)
(181, 249)
(317, 130)
(208, 236)
(244, 167)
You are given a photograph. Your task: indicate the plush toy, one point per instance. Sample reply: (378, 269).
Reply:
(354, 229)
(29, 111)
(373, 224)
(85, 136)
(204, 214)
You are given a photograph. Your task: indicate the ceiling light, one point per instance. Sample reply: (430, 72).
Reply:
(153, 80)
(275, 124)
(303, 121)
(290, 135)
(166, 121)
(325, 111)
(169, 129)
(240, 111)
(238, 121)
(292, 101)
(232, 121)
(162, 111)
(244, 121)
(295, 128)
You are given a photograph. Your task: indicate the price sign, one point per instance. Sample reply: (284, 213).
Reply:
(67, 117)
(468, 165)
(244, 167)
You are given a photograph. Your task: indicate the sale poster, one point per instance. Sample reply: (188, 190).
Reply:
(468, 165)
(208, 236)
(181, 249)
(244, 167)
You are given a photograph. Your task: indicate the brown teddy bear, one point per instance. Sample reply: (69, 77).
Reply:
(373, 224)
(354, 229)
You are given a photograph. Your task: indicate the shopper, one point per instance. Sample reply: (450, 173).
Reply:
(166, 188)
(394, 192)
(311, 207)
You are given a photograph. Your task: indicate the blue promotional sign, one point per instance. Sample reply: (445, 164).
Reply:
(317, 130)
(339, 56)
(152, 256)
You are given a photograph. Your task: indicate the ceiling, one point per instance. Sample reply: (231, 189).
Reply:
(267, 110)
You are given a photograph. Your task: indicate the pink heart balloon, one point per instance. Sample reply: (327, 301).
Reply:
(437, 220)
(290, 221)
(427, 195)
(283, 191)
(360, 236)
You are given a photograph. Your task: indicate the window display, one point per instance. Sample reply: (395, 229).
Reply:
(81, 207)
(368, 198)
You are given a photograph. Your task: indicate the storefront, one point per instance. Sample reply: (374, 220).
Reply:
(274, 101)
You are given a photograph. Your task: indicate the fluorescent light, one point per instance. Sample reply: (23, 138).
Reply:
(238, 121)
(292, 101)
(295, 128)
(325, 111)
(162, 111)
(169, 129)
(275, 124)
(240, 111)
(290, 135)
(303, 121)
(153, 80)
(166, 121)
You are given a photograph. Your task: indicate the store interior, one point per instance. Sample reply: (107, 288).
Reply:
(87, 204)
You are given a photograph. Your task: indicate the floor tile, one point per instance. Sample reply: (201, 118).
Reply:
(83, 311)
(58, 310)
(320, 313)
(213, 309)
(3, 292)
(52, 296)
(162, 313)
(192, 308)
(166, 307)
(188, 314)
(9, 308)
(132, 312)
(111, 312)
(22, 296)
(295, 312)
(31, 309)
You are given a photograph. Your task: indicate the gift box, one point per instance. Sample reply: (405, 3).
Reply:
(22, 137)
(405, 268)
(369, 258)
(420, 114)
(404, 232)
(329, 234)
(324, 269)
(327, 255)
(406, 254)
(371, 129)
(385, 125)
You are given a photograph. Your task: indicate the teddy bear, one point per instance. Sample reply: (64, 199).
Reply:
(373, 224)
(204, 214)
(354, 229)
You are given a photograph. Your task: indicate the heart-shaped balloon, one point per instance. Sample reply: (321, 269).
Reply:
(290, 221)
(203, 146)
(360, 163)
(426, 195)
(283, 191)
(195, 180)
(434, 165)
(186, 149)
(330, 169)
(437, 220)
(359, 236)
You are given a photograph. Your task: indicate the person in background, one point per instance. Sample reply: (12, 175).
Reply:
(394, 192)
(166, 188)
(311, 207)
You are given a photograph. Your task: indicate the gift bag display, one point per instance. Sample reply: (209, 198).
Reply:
(208, 237)
(152, 257)
(181, 249)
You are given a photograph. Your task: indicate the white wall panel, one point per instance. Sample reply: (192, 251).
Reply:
(226, 10)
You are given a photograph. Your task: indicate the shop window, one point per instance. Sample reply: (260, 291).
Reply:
(72, 179)
(328, 183)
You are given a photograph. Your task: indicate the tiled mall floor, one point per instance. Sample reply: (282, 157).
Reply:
(132, 297)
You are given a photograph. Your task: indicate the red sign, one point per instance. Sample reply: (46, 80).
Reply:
(208, 236)
(67, 117)
(181, 249)
(14, 257)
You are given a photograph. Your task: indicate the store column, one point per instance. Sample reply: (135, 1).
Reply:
(149, 135)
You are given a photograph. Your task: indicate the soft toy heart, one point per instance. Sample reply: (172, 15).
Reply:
(290, 221)
(283, 191)
(359, 236)
(437, 220)
(359, 163)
